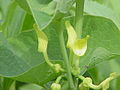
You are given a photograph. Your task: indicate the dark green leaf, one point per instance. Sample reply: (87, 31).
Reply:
(7, 82)
(28, 22)
(1, 87)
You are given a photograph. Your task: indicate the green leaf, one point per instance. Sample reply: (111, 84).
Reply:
(115, 5)
(39, 74)
(46, 12)
(4, 6)
(96, 9)
(7, 82)
(65, 85)
(1, 87)
(12, 24)
(28, 22)
(65, 5)
(41, 18)
(53, 45)
(31, 87)
(19, 55)
(104, 69)
(101, 54)
(103, 33)
(117, 84)
(23, 4)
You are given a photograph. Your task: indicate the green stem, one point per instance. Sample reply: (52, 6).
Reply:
(47, 59)
(65, 56)
(75, 65)
(71, 57)
(95, 86)
(58, 79)
(81, 78)
(79, 17)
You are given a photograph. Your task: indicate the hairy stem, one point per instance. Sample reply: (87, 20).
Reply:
(79, 17)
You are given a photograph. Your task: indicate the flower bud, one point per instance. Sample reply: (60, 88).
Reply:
(76, 71)
(55, 86)
(87, 81)
(113, 75)
(57, 68)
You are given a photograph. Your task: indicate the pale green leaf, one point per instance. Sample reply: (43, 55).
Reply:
(12, 24)
(31, 87)
(96, 9)
(41, 18)
(23, 4)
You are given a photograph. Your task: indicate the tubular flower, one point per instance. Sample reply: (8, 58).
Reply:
(42, 47)
(79, 46)
(72, 36)
(42, 39)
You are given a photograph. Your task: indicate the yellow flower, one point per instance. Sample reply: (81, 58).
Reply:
(79, 46)
(42, 39)
(72, 36)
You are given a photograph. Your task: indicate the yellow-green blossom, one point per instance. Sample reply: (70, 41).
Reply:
(72, 36)
(79, 46)
(42, 39)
